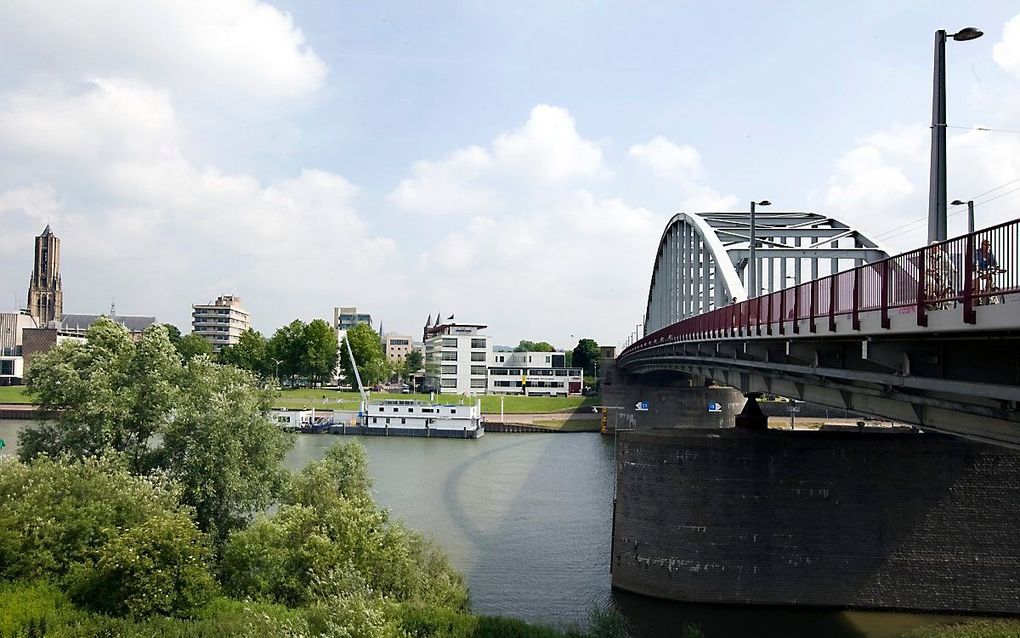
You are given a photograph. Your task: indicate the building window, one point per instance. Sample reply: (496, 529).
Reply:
(449, 343)
(479, 343)
(478, 370)
(548, 358)
(477, 383)
(449, 370)
(403, 421)
(450, 356)
(448, 383)
(478, 356)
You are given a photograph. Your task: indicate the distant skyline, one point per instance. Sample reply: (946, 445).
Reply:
(513, 164)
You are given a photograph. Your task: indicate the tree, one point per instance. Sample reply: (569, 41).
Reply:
(112, 395)
(368, 355)
(321, 350)
(109, 394)
(586, 356)
(287, 345)
(174, 333)
(251, 352)
(193, 345)
(221, 446)
(414, 361)
(534, 346)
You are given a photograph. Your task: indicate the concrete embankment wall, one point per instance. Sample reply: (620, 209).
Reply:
(903, 521)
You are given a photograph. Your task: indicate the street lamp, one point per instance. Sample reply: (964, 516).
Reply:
(278, 362)
(970, 213)
(937, 181)
(752, 275)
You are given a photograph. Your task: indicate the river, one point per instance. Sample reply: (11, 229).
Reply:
(526, 518)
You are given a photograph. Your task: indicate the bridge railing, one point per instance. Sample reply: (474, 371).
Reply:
(954, 274)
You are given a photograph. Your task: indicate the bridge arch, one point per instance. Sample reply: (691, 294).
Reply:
(703, 259)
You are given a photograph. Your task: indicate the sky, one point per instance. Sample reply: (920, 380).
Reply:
(512, 164)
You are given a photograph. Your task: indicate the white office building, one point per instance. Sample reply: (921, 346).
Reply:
(457, 358)
(220, 322)
(533, 374)
(12, 362)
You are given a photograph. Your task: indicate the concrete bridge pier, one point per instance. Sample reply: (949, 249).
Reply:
(674, 400)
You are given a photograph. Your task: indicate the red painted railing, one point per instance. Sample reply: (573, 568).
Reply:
(954, 274)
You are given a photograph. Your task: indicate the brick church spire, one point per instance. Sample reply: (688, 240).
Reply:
(45, 297)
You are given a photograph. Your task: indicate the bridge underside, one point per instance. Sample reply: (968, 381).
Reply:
(957, 385)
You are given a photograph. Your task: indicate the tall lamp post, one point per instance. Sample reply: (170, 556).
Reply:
(970, 213)
(752, 275)
(937, 181)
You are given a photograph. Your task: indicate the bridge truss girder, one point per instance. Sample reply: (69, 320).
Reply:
(959, 386)
(703, 259)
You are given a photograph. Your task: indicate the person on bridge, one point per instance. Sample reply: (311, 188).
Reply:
(939, 274)
(985, 266)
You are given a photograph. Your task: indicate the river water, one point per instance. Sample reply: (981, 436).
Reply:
(526, 518)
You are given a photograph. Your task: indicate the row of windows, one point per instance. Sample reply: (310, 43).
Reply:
(475, 370)
(451, 342)
(531, 384)
(382, 408)
(541, 372)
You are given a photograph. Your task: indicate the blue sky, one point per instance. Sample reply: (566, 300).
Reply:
(512, 163)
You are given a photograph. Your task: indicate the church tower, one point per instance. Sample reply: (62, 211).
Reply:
(45, 298)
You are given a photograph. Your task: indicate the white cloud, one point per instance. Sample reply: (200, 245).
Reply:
(668, 160)
(141, 222)
(1006, 52)
(546, 151)
(549, 148)
(227, 46)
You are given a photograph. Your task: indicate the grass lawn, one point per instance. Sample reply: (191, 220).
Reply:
(312, 397)
(13, 394)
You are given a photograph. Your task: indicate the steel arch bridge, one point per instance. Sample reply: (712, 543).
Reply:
(704, 259)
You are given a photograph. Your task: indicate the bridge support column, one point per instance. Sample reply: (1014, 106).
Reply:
(751, 417)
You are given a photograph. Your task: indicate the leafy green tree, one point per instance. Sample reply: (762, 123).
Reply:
(414, 361)
(222, 447)
(251, 352)
(368, 354)
(287, 345)
(321, 350)
(109, 394)
(193, 345)
(173, 332)
(586, 356)
(534, 346)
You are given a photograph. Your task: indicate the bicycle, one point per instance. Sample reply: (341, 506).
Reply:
(994, 294)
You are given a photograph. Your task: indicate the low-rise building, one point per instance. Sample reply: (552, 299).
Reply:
(220, 322)
(456, 358)
(78, 325)
(12, 362)
(533, 374)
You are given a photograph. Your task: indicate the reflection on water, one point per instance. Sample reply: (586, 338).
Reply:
(526, 518)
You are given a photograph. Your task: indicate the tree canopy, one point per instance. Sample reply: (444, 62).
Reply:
(192, 345)
(368, 354)
(534, 346)
(586, 355)
(111, 395)
(308, 351)
(251, 352)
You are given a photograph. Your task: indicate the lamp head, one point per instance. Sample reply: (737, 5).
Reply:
(956, 202)
(968, 33)
(764, 202)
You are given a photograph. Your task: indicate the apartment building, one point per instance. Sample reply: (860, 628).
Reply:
(220, 322)
(456, 358)
(396, 347)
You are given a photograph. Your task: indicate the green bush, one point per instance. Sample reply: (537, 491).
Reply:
(57, 513)
(331, 531)
(157, 568)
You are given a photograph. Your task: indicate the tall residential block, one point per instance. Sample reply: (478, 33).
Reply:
(220, 322)
(45, 297)
(456, 357)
